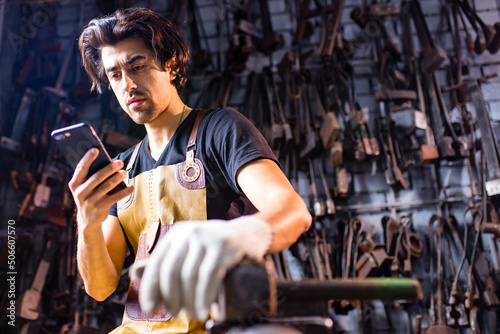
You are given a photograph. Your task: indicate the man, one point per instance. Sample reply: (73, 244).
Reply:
(212, 170)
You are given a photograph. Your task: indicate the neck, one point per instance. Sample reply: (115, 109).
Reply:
(164, 127)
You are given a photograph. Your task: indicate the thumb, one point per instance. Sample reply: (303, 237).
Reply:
(138, 269)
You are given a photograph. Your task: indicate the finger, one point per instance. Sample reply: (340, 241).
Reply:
(149, 293)
(82, 168)
(112, 199)
(88, 188)
(105, 173)
(170, 277)
(190, 273)
(108, 184)
(100, 200)
(138, 269)
(211, 272)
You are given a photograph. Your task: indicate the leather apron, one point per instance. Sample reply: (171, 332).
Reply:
(161, 197)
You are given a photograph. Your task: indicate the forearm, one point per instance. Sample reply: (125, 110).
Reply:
(288, 217)
(95, 265)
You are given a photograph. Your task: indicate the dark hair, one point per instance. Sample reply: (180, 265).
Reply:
(159, 34)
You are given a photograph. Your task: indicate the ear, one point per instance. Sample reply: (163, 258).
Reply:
(171, 66)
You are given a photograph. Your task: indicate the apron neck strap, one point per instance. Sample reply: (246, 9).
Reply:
(194, 131)
(133, 157)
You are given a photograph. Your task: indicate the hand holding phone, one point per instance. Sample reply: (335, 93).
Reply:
(76, 140)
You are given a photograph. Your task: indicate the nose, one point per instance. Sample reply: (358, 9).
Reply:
(128, 83)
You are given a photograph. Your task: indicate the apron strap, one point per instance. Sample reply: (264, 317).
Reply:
(194, 131)
(133, 157)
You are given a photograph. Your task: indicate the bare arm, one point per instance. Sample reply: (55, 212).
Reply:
(269, 190)
(101, 244)
(100, 255)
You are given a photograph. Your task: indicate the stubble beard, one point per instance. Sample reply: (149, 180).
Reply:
(142, 114)
(142, 117)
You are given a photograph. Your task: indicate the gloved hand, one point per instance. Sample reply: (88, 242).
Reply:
(187, 266)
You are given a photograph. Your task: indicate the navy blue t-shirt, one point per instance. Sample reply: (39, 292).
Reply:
(226, 141)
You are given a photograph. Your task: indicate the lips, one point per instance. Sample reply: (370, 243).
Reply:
(135, 102)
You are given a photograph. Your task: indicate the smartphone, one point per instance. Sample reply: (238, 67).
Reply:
(75, 140)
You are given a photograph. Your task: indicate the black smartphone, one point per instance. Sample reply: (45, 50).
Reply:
(75, 140)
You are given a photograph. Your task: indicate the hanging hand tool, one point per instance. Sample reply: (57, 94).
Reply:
(411, 245)
(330, 12)
(433, 55)
(395, 263)
(374, 262)
(393, 175)
(456, 315)
(436, 310)
(473, 292)
(353, 229)
(343, 183)
(488, 139)
(304, 27)
(389, 226)
(264, 120)
(428, 150)
(384, 10)
(444, 142)
(240, 43)
(326, 250)
(201, 57)
(373, 19)
(329, 204)
(492, 222)
(336, 154)
(352, 145)
(484, 33)
(318, 260)
(329, 129)
(329, 35)
(31, 299)
(278, 137)
(271, 40)
(287, 130)
(476, 294)
(293, 83)
(281, 263)
(16, 141)
(278, 266)
(318, 206)
(311, 145)
(494, 46)
(360, 126)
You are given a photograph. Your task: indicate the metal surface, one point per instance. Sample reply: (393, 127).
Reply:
(367, 289)
(250, 292)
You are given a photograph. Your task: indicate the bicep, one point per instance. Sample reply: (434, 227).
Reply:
(278, 203)
(261, 180)
(115, 241)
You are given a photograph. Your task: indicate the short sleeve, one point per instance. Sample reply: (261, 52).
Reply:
(234, 141)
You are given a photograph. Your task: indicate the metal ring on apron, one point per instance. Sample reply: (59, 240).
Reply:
(190, 164)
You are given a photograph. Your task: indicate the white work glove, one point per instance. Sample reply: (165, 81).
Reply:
(187, 266)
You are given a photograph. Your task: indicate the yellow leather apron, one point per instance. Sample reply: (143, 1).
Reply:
(161, 197)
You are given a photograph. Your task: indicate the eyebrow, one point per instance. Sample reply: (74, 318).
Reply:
(128, 62)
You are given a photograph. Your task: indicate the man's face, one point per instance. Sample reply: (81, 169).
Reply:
(141, 85)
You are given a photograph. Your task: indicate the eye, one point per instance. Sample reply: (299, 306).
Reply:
(114, 75)
(138, 67)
